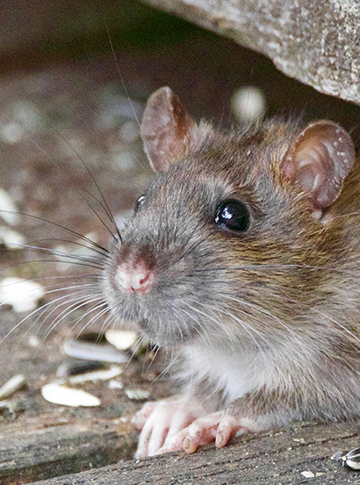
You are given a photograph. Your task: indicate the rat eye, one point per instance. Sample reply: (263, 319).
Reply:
(233, 215)
(139, 203)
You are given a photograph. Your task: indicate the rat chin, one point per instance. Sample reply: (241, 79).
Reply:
(168, 334)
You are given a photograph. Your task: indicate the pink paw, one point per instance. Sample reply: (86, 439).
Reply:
(177, 425)
(160, 421)
(218, 426)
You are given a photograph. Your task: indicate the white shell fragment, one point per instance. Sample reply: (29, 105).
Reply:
(11, 132)
(11, 239)
(121, 339)
(307, 474)
(137, 394)
(248, 104)
(60, 394)
(9, 405)
(34, 341)
(88, 351)
(115, 384)
(99, 375)
(8, 209)
(11, 386)
(22, 295)
(350, 460)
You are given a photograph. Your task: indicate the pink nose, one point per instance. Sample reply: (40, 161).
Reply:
(136, 279)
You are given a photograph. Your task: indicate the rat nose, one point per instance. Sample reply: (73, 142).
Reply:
(137, 278)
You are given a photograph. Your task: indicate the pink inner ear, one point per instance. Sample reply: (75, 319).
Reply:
(319, 160)
(306, 178)
(166, 129)
(313, 164)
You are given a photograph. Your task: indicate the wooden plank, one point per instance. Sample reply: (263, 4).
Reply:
(30, 452)
(280, 457)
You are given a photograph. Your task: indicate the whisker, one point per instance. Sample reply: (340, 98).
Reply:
(169, 366)
(53, 261)
(40, 310)
(346, 215)
(66, 229)
(80, 303)
(272, 266)
(120, 75)
(260, 310)
(94, 263)
(193, 247)
(346, 330)
(103, 253)
(104, 204)
(94, 318)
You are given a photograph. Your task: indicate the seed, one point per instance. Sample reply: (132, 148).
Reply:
(11, 386)
(351, 459)
(59, 394)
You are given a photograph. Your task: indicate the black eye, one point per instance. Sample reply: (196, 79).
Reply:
(139, 203)
(233, 215)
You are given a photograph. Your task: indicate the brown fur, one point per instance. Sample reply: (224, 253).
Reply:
(273, 311)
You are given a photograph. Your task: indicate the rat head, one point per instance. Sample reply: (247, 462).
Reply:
(228, 234)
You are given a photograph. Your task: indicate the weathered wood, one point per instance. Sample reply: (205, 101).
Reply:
(46, 446)
(314, 42)
(273, 458)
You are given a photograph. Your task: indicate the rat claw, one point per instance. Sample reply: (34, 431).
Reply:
(190, 445)
(172, 425)
(162, 424)
(217, 426)
(227, 428)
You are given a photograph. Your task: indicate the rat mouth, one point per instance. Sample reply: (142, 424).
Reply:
(168, 316)
(169, 334)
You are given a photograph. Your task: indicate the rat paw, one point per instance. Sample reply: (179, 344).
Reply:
(219, 426)
(160, 421)
(141, 416)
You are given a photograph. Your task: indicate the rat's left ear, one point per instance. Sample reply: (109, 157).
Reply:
(318, 161)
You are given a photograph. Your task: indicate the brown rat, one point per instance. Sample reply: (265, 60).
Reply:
(243, 255)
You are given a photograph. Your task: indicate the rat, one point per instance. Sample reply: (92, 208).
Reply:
(242, 257)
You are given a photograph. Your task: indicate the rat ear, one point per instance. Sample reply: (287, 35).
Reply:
(319, 160)
(166, 129)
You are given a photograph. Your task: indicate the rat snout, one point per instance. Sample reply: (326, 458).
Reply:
(135, 278)
(135, 270)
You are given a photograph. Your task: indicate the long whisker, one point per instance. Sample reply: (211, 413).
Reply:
(74, 243)
(104, 204)
(66, 229)
(54, 261)
(244, 325)
(92, 262)
(272, 266)
(349, 214)
(168, 367)
(95, 317)
(194, 246)
(80, 303)
(41, 310)
(120, 74)
(314, 309)
(261, 310)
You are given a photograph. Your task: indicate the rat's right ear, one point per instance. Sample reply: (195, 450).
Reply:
(318, 161)
(167, 130)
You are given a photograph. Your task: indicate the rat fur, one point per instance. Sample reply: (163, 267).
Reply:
(266, 318)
